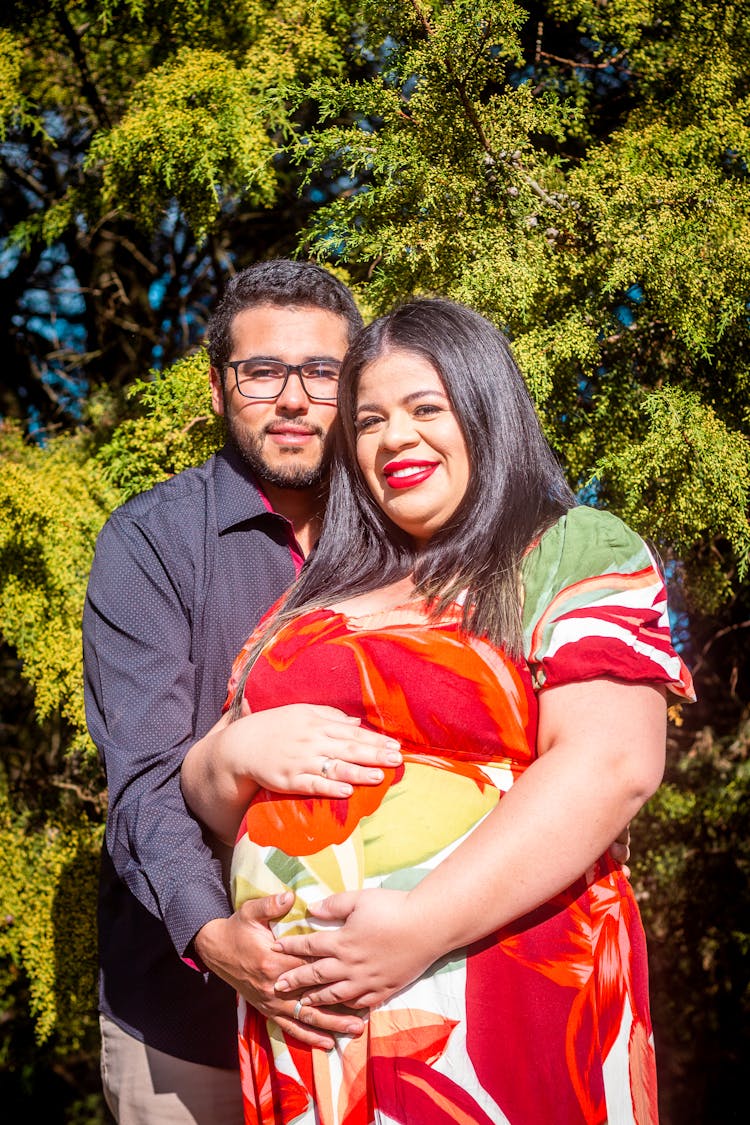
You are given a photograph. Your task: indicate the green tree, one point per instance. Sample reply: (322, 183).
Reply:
(578, 171)
(53, 502)
(608, 235)
(141, 157)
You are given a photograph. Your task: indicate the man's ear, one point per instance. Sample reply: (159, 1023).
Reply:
(217, 390)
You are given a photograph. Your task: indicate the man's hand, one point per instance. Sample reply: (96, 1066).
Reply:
(619, 850)
(238, 949)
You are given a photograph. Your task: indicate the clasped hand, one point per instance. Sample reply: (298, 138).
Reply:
(379, 949)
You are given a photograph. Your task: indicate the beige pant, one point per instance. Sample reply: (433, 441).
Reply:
(143, 1086)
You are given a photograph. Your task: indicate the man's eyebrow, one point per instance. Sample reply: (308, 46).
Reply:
(406, 399)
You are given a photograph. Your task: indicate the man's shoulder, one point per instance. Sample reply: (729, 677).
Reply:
(172, 516)
(190, 485)
(193, 504)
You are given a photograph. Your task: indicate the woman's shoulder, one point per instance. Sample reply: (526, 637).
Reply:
(587, 541)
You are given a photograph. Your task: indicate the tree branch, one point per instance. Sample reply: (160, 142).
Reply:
(87, 83)
(712, 641)
(13, 172)
(476, 124)
(576, 65)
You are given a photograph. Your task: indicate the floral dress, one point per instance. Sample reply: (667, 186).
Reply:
(543, 1022)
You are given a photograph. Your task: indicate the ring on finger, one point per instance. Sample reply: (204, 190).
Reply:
(327, 767)
(297, 1009)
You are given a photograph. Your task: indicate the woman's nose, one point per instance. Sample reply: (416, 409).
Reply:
(399, 431)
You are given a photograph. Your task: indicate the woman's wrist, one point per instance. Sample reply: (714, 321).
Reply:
(429, 925)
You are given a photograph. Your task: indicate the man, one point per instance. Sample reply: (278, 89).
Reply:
(180, 578)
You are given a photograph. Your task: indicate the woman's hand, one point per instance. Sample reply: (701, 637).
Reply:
(311, 750)
(378, 950)
(303, 748)
(239, 949)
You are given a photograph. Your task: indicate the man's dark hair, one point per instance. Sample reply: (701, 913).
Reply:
(283, 283)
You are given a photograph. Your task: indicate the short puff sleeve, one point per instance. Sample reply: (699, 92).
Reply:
(595, 605)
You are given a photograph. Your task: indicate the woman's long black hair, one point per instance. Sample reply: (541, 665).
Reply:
(516, 487)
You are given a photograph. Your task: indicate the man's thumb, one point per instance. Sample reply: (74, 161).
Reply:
(263, 909)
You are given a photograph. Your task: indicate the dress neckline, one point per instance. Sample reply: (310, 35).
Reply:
(396, 616)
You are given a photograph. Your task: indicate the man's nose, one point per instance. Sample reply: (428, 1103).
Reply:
(293, 397)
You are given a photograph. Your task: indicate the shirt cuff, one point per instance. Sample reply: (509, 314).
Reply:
(189, 910)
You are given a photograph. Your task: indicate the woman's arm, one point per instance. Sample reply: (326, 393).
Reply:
(284, 749)
(601, 747)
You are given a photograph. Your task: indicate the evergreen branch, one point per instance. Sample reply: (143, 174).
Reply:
(130, 246)
(539, 54)
(422, 18)
(476, 124)
(712, 641)
(22, 176)
(198, 420)
(87, 83)
(582, 65)
(98, 799)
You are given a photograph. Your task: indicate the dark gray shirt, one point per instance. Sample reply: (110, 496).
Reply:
(180, 578)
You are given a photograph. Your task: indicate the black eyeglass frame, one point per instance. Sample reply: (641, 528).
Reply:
(299, 368)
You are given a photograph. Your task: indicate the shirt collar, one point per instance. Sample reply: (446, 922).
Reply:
(238, 495)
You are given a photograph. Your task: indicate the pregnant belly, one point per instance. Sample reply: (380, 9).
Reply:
(390, 835)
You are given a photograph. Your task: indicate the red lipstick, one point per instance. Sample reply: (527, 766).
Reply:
(406, 474)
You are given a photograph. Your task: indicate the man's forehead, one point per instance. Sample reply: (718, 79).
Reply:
(271, 311)
(267, 328)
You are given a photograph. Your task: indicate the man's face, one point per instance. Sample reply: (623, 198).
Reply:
(282, 441)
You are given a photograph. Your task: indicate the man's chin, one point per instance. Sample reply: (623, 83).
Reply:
(297, 478)
(290, 475)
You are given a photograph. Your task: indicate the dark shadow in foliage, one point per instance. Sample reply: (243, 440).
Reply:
(692, 851)
(75, 945)
(58, 1081)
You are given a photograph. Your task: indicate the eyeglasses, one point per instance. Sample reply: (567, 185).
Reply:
(265, 379)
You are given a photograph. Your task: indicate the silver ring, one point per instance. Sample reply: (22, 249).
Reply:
(328, 764)
(297, 1009)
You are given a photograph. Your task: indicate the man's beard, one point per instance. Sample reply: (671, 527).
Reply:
(249, 447)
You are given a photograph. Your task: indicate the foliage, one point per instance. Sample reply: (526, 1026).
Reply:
(52, 798)
(141, 157)
(48, 954)
(688, 476)
(175, 429)
(193, 123)
(49, 875)
(52, 504)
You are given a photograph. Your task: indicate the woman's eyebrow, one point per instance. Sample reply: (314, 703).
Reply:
(406, 399)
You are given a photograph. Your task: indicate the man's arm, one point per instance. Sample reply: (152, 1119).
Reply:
(139, 689)
(140, 683)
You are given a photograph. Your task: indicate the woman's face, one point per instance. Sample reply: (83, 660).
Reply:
(410, 447)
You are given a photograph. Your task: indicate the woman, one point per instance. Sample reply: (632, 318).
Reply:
(517, 647)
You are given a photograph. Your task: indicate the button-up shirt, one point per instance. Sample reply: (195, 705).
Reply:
(181, 576)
